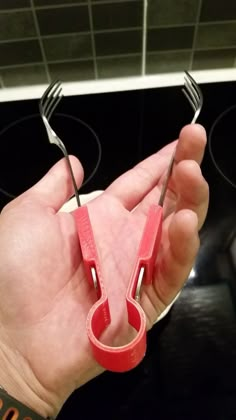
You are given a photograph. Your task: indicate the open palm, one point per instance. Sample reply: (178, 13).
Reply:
(45, 297)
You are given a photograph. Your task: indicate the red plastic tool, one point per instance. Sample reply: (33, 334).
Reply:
(124, 358)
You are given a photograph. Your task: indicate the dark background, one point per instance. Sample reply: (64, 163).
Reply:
(189, 371)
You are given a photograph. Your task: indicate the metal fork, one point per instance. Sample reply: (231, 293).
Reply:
(47, 105)
(194, 95)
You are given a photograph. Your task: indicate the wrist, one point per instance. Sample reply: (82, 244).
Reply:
(19, 382)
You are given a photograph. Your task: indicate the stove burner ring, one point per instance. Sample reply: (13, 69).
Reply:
(71, 117)
(210, 145)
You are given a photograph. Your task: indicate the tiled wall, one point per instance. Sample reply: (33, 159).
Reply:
(41, 40)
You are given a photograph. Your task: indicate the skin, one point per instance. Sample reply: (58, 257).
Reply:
(45, 297)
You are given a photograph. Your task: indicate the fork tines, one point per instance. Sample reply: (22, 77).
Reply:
(193, 93)
(50, 99)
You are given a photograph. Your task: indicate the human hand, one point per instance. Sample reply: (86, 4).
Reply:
(45, 297)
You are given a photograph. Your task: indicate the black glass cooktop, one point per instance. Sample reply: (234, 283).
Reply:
(190, 368)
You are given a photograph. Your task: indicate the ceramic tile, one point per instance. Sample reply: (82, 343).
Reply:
(63, 20)
(20, 53)
(68, 47)
(215, 10)
(172, 12)
(25, 75)
(167, 61)
(216, 35)
(16, 25)
(213, 59)
(123, 42)
(67, 37)
(14, 4)
(119, 66)
(117, 15)
(174, 38)
(72, 71)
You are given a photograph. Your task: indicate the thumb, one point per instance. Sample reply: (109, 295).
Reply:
(56, 187)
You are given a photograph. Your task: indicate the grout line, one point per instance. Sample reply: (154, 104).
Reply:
(217, 22)
(195, 34)
(68, 34)
(46, 7)
(218, 48)
(104, 31)
(179, 50)
(127, 28)
(144, 41)
(69, 60)
(99, 57)
(60, 6)
(16, 10)
(13, 40)
(90, 11)
(56, 6)
(40, 41)
(98, 31)
(186, 24)
(112, 56)
(13, 66)
(113, 1)
(65, 34)
(105, 57)
(79, 4)
(190, 24)
(172, 25)
(209, 48)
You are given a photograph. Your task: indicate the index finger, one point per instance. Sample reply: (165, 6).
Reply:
(192, 143)
(133, 186)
